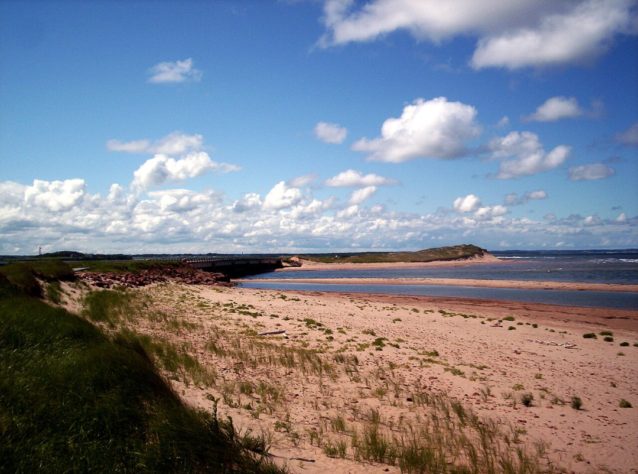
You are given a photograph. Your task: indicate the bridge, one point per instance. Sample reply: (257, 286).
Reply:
(235, 267)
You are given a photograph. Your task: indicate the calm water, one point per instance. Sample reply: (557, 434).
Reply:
(583, 266)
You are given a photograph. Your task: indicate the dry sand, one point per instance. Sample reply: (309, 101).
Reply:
(480, 362)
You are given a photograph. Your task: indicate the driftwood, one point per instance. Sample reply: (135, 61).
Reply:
(272, 333)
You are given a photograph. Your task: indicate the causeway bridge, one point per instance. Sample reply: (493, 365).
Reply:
(235, 267)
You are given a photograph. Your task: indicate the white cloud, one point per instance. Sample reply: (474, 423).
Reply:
(578, 34)
(181, 220)
(352, 178)
(302, 181)
(556, 108)
(536, 195)
(348, 212)
(489, 212)
(503, 122)
(590, 172)
(513, 34)
(622, 218)
(161, 169)
(522, 154)
(429, 129)
(514, 199)
(174, 72)
(55, 195)
(424, 19)
(175, 143)
(179, 200)
(361, 195)
(282, 196)
(247, 202)
(630, 136)
(467, 203)
(135, 146)
(330, 132)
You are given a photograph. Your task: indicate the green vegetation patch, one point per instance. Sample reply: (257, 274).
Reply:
(456, 252)
(73, 400)
(107, 306)
(24, 275)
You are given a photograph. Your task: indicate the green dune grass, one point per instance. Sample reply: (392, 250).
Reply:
(74, 400)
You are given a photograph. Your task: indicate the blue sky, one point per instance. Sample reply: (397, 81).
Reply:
(318, 125)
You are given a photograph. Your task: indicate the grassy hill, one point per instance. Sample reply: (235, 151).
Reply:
(73, 399)
(456, 252)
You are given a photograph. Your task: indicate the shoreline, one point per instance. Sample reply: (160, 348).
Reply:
(517, 284)
(621, 319)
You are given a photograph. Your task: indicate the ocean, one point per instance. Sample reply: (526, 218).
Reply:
(586, 266)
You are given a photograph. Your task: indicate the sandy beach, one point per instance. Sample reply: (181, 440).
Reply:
(317, 372)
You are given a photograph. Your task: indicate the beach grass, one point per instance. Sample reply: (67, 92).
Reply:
(73, 399)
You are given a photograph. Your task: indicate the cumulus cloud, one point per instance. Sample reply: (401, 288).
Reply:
(578, 34)
(428, 129)
(174, 72)
(629, 137)
(513, 199)
(181, 220)
(55, 195)
(248, 202)
(330, 132)
(467, 203)
(177, 156)
(162, 168)
(522, 154)
(175, 143)
(557, 108)
(352, 178)
(282, 196)
(361, 195)
(590, 172)
(514, 34)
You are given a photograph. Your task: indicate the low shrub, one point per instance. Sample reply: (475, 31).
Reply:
(527, 399)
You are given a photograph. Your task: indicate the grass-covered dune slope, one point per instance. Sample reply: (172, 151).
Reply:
(73, 399)
(456, 252)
